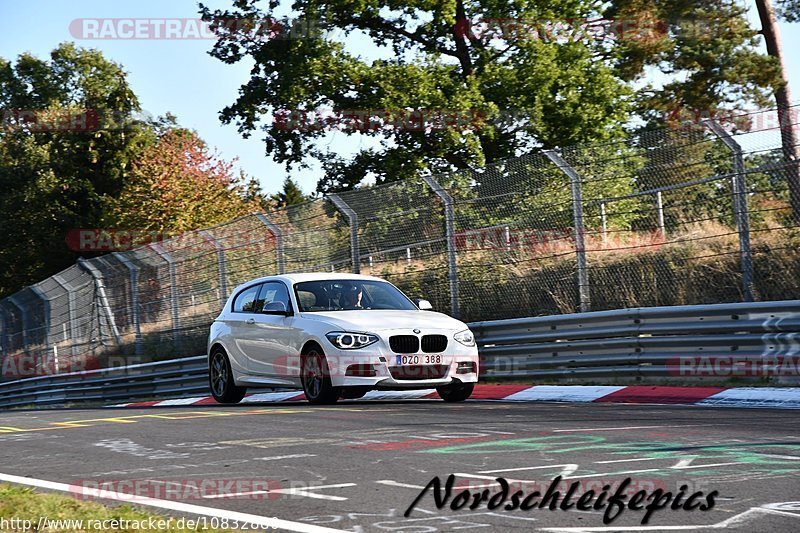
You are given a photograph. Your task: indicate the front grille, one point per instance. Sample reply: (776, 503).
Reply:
(434, 343)
(404, 343)
(412, 372)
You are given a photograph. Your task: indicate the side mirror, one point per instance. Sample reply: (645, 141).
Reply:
(424, 305)
(275, 308)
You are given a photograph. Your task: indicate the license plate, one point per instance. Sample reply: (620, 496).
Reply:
(424, 359)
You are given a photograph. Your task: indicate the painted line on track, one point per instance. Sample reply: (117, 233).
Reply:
(242, 518)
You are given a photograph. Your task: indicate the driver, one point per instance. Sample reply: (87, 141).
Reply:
(351, 297)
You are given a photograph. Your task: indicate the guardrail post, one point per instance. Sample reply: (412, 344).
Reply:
(101, 293)
(449, 220)
(577, 216)
(133, 272)
(173, 291)
(352, 217)
(276, 231)
(223, 276)
(740, 208)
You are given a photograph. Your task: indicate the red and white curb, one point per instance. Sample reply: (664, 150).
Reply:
(773, 397)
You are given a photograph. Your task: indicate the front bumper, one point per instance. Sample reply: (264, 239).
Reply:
(378, 367)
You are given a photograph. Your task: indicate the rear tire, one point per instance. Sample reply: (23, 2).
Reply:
(316, 379)
(220, 379)
(456, 393)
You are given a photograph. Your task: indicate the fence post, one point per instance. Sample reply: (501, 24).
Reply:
(48, 346)
(221, 267)
(352, 217)
(173, 291)
(577, 215)
(740, 208)
(101, 293)
(276, 231)
(449, 230)
(72, 313)
(23, 313)
(603, 222)
(133, 272)
(3, 335)
(660, 213)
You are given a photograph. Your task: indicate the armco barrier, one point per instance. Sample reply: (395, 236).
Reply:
(652, 341)
(177, 377)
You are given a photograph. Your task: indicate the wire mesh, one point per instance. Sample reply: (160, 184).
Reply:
(655, 213)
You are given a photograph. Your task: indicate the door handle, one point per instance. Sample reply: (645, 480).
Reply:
(250, 321)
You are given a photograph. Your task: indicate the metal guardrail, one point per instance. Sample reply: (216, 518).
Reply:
(622, 343)
(165, 379)
(651, 341)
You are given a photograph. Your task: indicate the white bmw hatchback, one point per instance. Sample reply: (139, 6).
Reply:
(336, 336)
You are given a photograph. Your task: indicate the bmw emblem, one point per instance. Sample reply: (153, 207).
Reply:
(417, 331)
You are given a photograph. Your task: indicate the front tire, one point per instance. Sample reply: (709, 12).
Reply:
(456, 393)
(317, 380)
(220, 379)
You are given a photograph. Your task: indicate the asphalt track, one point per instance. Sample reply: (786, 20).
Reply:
(359, 465)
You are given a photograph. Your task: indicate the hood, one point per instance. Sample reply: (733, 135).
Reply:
(372, 320)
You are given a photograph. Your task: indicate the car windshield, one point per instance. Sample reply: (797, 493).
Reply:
(350, 294)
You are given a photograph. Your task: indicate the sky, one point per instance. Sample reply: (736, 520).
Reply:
(178, 75)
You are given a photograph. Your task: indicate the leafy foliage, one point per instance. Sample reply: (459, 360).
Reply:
(55, 172)
(514, 91)
(177, 185)
(706, 50)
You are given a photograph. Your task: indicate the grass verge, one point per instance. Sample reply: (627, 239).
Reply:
(22, 508)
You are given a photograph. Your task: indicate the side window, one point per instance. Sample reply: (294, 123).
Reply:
(247, 301)
(275, 297)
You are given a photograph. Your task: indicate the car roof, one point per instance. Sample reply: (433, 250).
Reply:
(308, 276)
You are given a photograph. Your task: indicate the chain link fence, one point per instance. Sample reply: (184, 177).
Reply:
(679, 216)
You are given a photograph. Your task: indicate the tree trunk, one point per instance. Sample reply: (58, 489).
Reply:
(783, 99)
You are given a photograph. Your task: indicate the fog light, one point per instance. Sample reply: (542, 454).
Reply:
(361, 371)
(465, 368)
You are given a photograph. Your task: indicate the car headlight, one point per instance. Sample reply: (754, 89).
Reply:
(465, 337)
(345, 340)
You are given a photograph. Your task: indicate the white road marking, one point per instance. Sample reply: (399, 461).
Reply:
(297, 491)
(567, 469)
(180, 401)
(622, 428)
(261, 521)
(281, 457)
(391, 483)
(635, 459)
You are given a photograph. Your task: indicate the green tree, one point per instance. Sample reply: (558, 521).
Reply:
(176, 185)
(66, 141)
(705, 51)
(290, 195)
(789, 10)
(511, 89)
